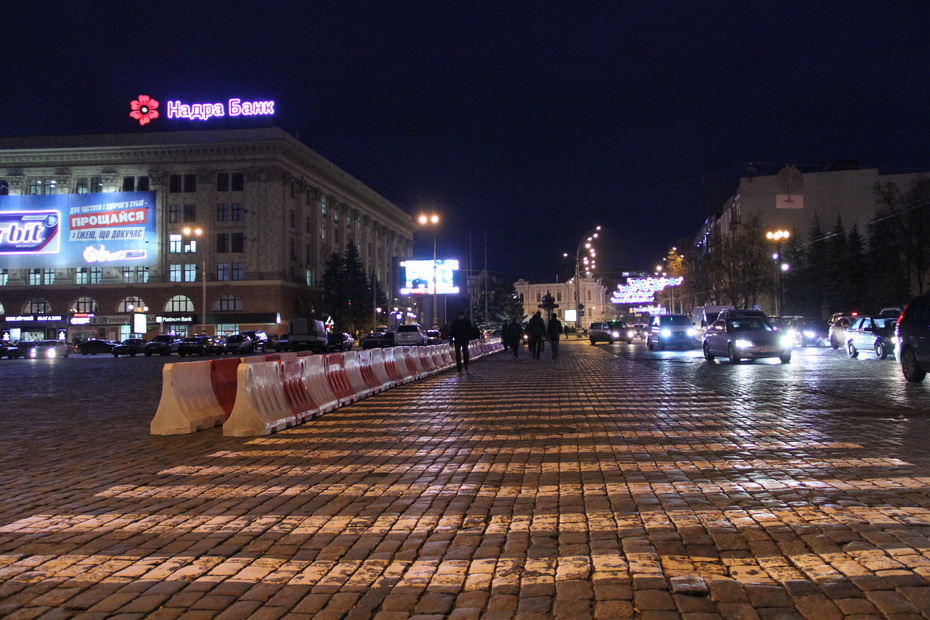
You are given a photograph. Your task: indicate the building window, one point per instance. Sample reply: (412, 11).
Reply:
(4, 277)
(132, 275)
(175, 244)
(236, 212)
(4, 187)
(179, 303)
(175, 183)
(222, 182)
(142, 184)
(310, 278)
(130, 304)
(222, 242)
(96, 275)
(41, 187)
(190, 214)
(174, 273)
(190, 272)
(227, 303)
(88, 185)
(81, 275)
(293, 189)
(238, 181)
(222, 212)
(37, 305)
(309, 225)
(190, 246)
(293, 217)
(293, 249)
(538, 296)
(222, 272)
(237, 242)
(174, 214)
(190, 183)
(129, 184)
(84, 304)
(238, 271)
(323, 232)
(35, 277)
(323, 205)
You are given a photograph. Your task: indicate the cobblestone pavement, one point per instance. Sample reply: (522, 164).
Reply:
(592, 486)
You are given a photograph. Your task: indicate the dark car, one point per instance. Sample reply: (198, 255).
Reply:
(610, 332)
(810, 332)
(198, 345)
(239, 344)
(373, 340)
(93, 347)
(746, 337)
(164, 344)
(259, 339)
(912, 331)
(282, 343)
(874, 334)
(434, 336)
(10, 351)
(339, 341)
(131, 347)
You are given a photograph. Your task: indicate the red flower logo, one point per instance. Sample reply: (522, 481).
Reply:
(144, 109)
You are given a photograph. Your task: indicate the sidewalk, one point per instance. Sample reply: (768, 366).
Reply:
(585, 487)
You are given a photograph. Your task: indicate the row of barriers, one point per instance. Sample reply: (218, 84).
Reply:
(262, 394)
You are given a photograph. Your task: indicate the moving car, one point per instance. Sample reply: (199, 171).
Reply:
(810, 332)
(912, 331)
(199, 345)
(259, 339)
(409, 335)
(239, 344)
(747, 337)
(670, 330)
(339, 341)
(283, 343)
(434, 336)
(10, 351)
(839, 323)
(375, 340)
(93, 347)
(44, 349)
(874, 334)
(640, 329)
(130, 347)
(164, 344)
(610, 332)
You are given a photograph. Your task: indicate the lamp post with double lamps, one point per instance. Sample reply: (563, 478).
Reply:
(198, 233)
(586, 243)
(432, 220)
(778, 236)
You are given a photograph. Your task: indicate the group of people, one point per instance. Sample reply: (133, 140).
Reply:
(536, 332)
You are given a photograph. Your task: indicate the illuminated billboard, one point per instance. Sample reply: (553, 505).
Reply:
(416, 277)
(77, 230)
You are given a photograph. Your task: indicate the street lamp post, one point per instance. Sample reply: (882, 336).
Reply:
(778, 236)
(198, 232)
(584, 244)
(433, 221)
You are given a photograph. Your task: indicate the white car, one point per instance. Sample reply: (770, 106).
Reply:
(409, 335)
(45, 349)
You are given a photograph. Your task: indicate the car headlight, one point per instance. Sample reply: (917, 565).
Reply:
(787, 342)
(665, 332)
(630, 334)
(743, 343)
(809, 334)
(691, 332)
(615, 334)
(32, 353)
(894, 340)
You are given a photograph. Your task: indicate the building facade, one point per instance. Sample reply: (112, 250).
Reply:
(593, 298)
(245, 221)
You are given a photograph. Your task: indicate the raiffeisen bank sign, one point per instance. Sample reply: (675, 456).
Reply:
(145, 109)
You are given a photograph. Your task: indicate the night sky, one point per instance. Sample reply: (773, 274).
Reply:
(527, 122)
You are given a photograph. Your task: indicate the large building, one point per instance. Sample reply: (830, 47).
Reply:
(592, 292)
(221, 230)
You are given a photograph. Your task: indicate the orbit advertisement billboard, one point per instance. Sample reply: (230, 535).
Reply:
(114, 229)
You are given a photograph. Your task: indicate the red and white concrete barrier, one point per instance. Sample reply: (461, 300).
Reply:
(188, 402)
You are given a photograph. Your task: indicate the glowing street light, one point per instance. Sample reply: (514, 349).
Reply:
(199, 232)
(585, 243)
(778, 236)
(432, 220)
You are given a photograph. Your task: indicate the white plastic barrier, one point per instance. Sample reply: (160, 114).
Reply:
(188, 402)
(395, 366)
(354, 373)
(404, 364)
(448, 355)
(315, 380)
(378, 367)
(261, 407)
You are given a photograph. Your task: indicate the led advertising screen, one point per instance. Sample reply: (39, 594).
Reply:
(416, 277)
(77, 230)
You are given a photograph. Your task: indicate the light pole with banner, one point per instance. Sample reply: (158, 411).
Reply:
(585, 244)
(778, 236)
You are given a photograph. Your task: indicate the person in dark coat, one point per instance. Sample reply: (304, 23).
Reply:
(555, 332)
(461, 332)
(505, 338)
(515, 337)
(535, 330)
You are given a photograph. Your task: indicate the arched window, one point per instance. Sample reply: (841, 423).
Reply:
(130, 304)
(37, 305)
(2, 311)
(179, 303)
(227, 303)
(84, 304)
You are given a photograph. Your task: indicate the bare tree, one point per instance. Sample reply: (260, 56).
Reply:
(740, 265)
(908, 213)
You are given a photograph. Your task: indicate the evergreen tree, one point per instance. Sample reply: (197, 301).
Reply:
(835, 278)
(347, 292)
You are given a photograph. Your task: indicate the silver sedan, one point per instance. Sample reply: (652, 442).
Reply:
(746, 338)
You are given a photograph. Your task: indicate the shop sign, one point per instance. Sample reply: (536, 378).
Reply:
(86, 318)
(34, 318)
(190, 318)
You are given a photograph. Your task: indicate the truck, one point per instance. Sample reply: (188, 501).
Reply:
(307, 334)
(703, 316)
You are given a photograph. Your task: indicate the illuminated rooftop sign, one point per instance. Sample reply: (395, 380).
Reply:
(145, 109)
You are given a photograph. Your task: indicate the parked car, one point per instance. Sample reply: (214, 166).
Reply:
(130, 346)
(10, 351)
(670, 330)
(239, 344)
(259, 339)
(746, 337)
(45, 349)
(838, 326)
(408, 335)
(874, 334)
(199, 345)
(810, 332)
(375, 340)
(339, 341)
(164, 344)
(912, 347)
(93, 347)
(434, 336)
(610, 332)
(282, 343)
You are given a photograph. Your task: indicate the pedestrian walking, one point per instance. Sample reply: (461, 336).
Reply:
(505, 336)
(515, 337)
(461, 332)
(535, 330)
(555, 333)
